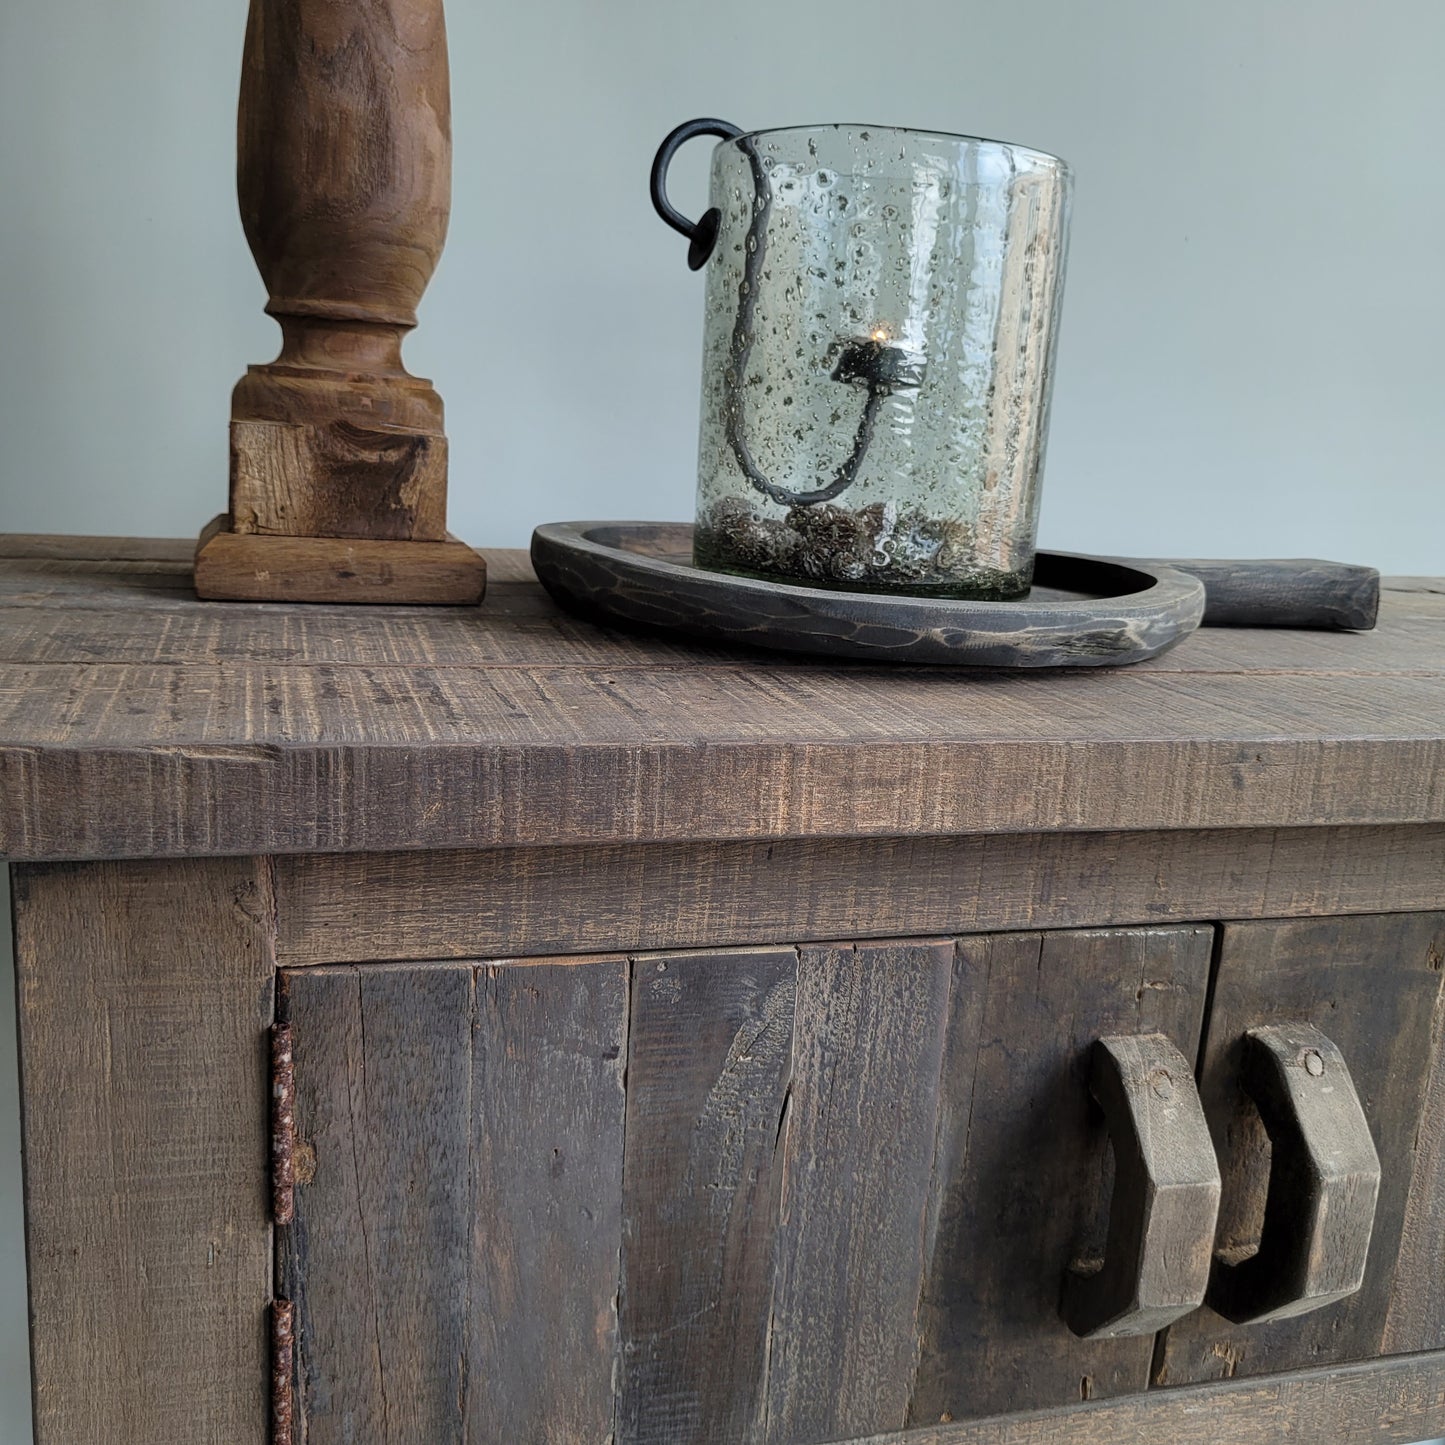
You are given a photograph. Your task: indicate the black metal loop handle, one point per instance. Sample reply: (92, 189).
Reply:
(702, 233)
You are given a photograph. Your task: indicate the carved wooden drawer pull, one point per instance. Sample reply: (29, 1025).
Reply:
(1166, 1194)
(1324, 1180)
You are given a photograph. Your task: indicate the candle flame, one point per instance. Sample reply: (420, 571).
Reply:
(880, 334)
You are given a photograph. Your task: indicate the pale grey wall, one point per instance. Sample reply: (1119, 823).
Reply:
(1251, 358)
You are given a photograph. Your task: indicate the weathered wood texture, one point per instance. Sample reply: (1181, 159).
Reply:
(547, 1149)
(342, 908)
(1022, 1179)
(1300, 592)
(144, 1104)
(454, 1258)
(1373, 986)
(344, 174)
(850, 1254)
(342, 480)
(520, 726)
(1416, 1317)
(377, 1258)
(1324, 1180)
(1165, 1199)
(1389, 1403)
(348, 232)
(709, 1063)
(239, 567)
(1082, 612)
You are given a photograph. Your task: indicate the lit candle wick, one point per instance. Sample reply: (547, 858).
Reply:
(881, 334)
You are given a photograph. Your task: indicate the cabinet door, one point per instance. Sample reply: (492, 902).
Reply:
(1372, 985)
(776, 1195)
(453, 1258)
(856, 1176)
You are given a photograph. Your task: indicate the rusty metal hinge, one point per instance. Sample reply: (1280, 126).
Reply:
(283, 1126)
(283, 1371)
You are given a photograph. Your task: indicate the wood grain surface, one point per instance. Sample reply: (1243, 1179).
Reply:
(454, 1259)
(1286, 593)
(708, 1072)
(342, 908)
(857, 1162)
(547, 1150)
(520, 725)
(250, 567)
(1082, 612)
(144, 1110)
(1416, 1316)
(1023, 1174)
(377, 1260)
(344, 180)
(1324, 1180)
(1391, 1402)
(1372, 985)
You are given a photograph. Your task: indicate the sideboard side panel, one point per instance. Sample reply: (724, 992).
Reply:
(145, 1147)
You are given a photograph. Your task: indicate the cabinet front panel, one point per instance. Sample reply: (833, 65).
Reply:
(778, 1195)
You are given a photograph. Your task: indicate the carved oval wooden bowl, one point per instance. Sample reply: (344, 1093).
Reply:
(1082, 612)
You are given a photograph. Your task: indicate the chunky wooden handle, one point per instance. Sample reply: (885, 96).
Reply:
(1286, 593)
(1324, 1180)
(1166, 1194)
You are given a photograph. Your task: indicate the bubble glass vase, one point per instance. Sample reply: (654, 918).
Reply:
(880, 323)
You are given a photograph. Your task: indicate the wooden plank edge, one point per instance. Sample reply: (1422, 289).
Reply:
(64, 547)
(1386, 1402)
(248, 567)
(513, 902)
(525, 795)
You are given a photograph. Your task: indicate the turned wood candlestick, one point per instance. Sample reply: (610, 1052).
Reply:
(338, 454)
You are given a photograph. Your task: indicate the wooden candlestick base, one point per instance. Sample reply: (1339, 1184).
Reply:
(338, 454)
(250, 567)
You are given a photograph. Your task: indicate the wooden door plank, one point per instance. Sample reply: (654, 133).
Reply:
(709, 1057)
(1372, 984)
(145, 1126)
(376, 1262)
(857, 1159)
(454, 1259)
(1416, 1316)
(1389, 1402)
(549, 1060)
(1023, 1170)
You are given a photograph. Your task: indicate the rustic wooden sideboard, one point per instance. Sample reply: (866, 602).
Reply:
(477, 1025)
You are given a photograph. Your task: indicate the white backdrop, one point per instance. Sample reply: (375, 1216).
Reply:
(1251, 359)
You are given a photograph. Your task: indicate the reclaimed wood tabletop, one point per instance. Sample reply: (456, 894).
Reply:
(138, 721)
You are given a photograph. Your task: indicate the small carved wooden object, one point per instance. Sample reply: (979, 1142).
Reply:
(338, 455)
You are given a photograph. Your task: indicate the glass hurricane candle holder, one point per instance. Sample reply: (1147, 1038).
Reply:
(880, 323)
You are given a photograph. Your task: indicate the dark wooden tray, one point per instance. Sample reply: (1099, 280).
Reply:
(1082, 612)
